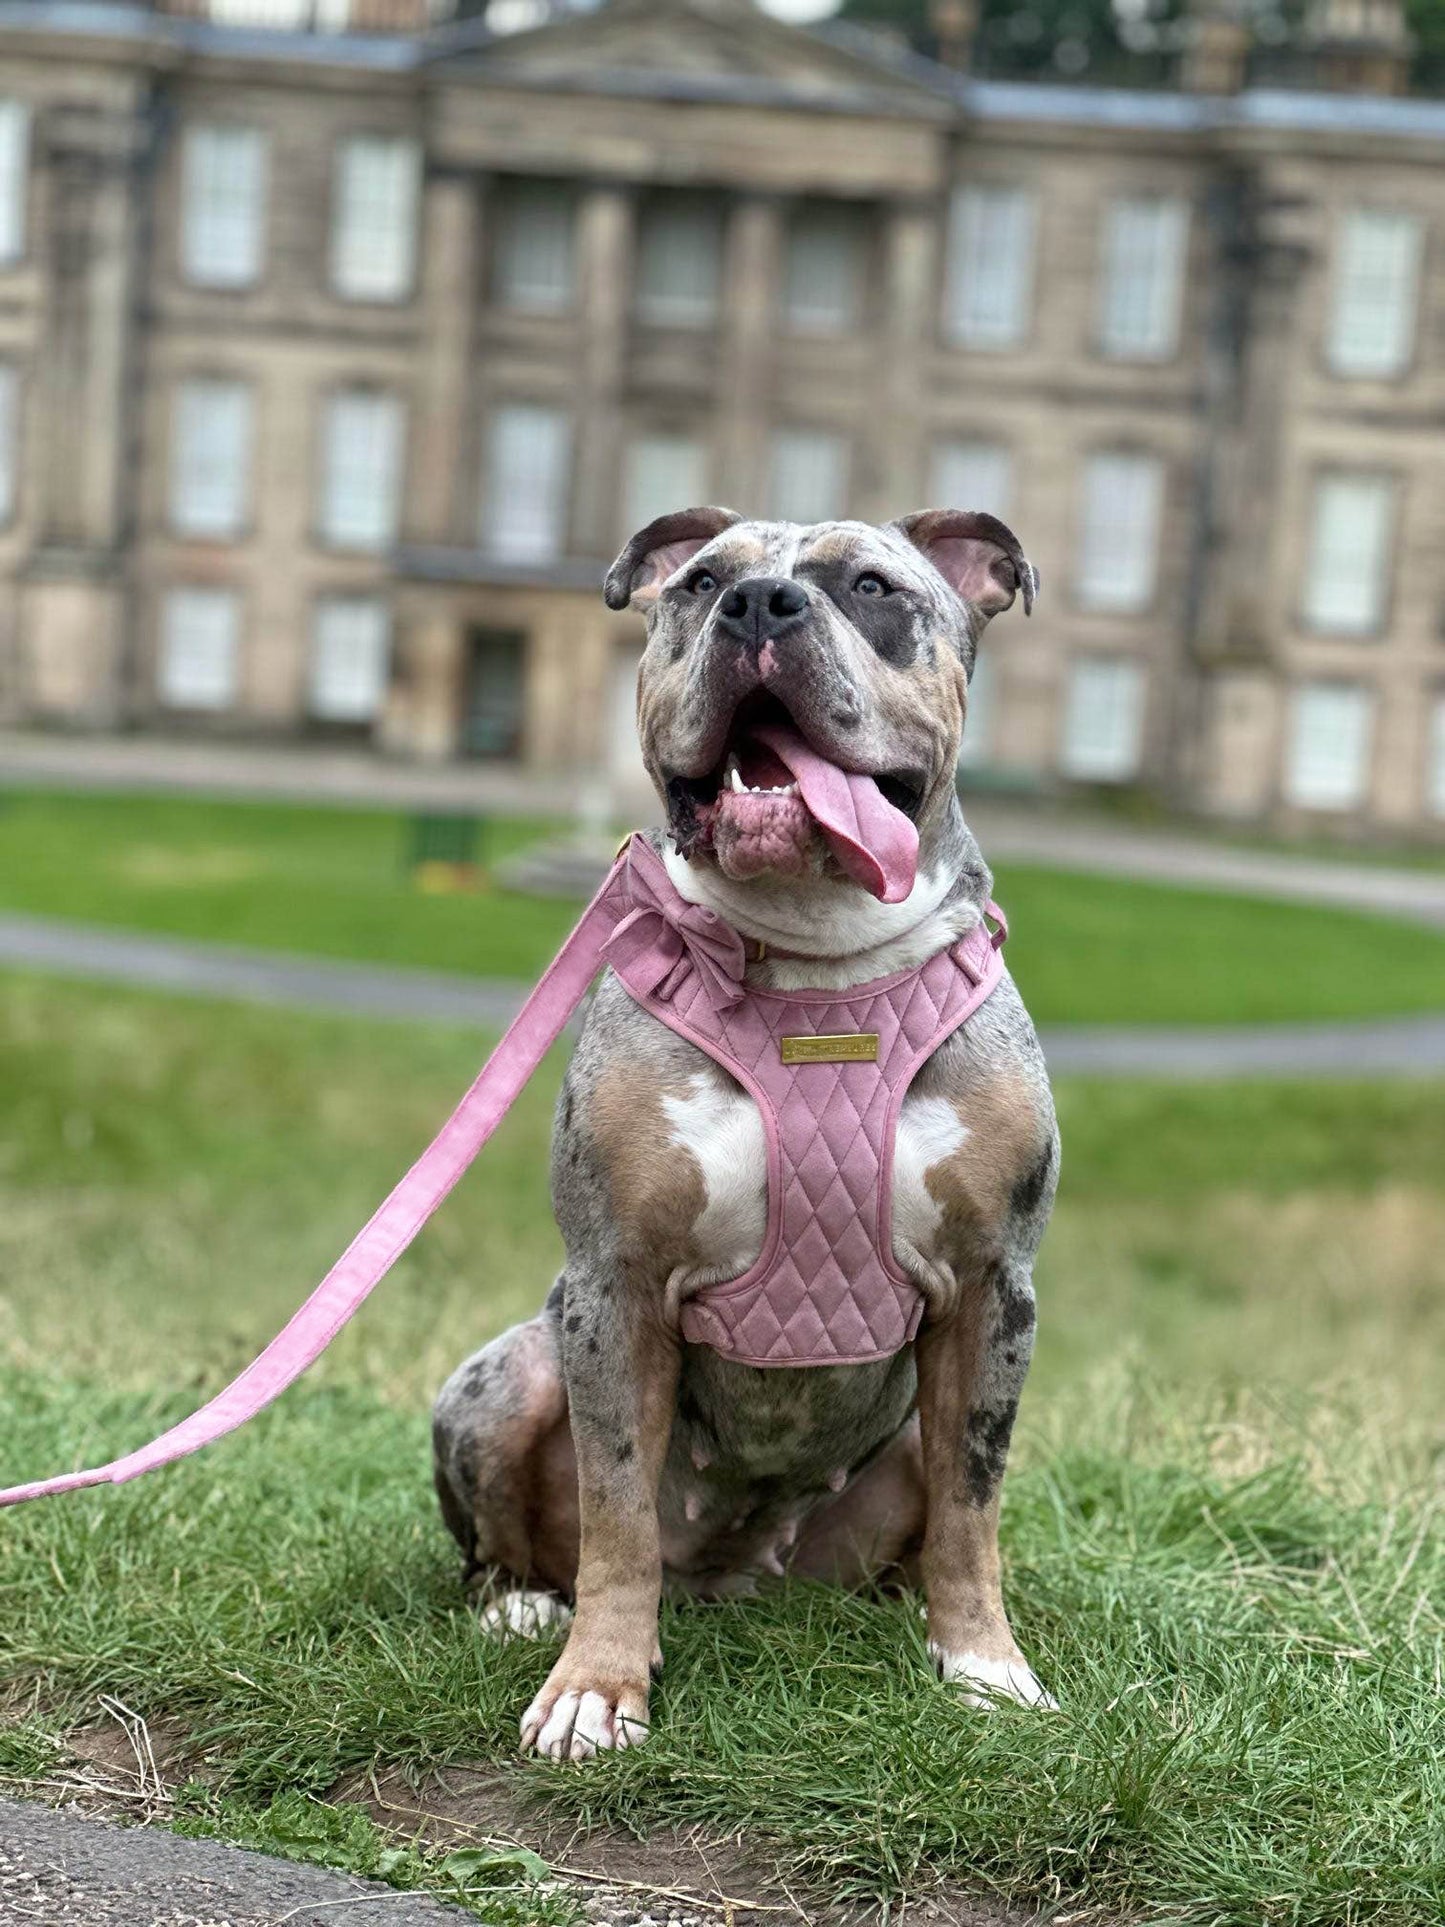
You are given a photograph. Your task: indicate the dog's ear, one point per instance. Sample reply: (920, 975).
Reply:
(977, 555)
(658, 551)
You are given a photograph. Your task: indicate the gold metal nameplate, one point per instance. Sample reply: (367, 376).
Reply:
(859, 1046)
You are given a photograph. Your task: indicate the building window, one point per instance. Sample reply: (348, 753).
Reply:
(679, 262)
(1376, 293)
(361, 469)
(823, 272)
(1435, 775)
(1103, 721)
(200, 648)
(533, 267)
(1119, 536)
(990, 266)
(979, 719)
(1142, 281)
(1327, 766)
(210, 458)
(14, 178)
(9, 439)
(525, 487)
(972, 475)
(223, 206)
(664, 472)
(1348, 571)
(350, 651)
(809, 476)
(374, 218)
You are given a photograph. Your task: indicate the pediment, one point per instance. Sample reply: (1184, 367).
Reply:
(725, 50)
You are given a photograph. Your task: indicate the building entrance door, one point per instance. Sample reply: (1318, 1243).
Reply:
(492, 721)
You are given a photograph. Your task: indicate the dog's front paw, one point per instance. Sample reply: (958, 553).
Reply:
(571, 1720)
(983, 1681)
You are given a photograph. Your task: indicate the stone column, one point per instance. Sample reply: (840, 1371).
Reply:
(605, 244)
(439, 498)
(83, 417)
(894, 476)
(746, 379)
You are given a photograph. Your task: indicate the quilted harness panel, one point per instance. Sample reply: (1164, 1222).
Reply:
(825, 1289)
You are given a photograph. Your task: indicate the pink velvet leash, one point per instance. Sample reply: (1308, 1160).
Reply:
(381, 1241)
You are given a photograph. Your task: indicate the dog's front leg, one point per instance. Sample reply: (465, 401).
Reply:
(971, 1368)
(621, 1367)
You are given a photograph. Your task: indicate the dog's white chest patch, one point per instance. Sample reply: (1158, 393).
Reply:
(720, 1126)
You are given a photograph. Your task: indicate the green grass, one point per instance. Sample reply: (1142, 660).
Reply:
(332, 883)
(1221, 1532)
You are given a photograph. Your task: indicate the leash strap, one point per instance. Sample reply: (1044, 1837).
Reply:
(386, 1235)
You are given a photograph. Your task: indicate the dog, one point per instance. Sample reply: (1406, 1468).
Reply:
(590, 1456)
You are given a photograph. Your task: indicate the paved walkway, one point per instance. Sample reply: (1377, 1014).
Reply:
(1400, 1047)
(66, 1869)
(1065, 838)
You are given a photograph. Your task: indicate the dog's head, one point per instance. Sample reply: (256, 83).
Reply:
(803, 691)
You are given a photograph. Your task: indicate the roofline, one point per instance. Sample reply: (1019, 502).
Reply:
(1015, 102)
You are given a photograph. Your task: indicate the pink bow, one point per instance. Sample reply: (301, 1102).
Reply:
(661, 936)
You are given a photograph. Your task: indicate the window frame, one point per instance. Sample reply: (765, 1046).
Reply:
(338, 393)
(799, 432)
(1136, 668)
(515, 404)
(1299, 691)
(1409, 362)
(23, 138)
(227, 593)
(327, 602)
(261, 238)
(243, 525)
(509, 192)
(702, 321)
(1148, 602)
(1320, 477)
(405, 291)
(1109, 347)
(952, 331)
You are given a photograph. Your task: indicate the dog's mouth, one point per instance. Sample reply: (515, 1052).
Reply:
(771, 797)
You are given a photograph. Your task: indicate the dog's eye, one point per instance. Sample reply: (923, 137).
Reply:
(703, 583)
(870, 584)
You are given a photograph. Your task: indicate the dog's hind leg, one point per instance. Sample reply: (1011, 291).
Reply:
(506, 1474)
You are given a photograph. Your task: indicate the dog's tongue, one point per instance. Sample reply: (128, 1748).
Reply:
(875, 843)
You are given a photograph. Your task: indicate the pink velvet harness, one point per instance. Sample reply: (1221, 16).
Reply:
(825, 1289)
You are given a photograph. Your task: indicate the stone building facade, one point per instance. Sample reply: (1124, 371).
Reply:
(336, 363)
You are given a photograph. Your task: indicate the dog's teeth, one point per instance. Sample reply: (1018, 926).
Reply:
(735, 778)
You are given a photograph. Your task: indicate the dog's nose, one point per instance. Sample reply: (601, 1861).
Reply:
(762, 606)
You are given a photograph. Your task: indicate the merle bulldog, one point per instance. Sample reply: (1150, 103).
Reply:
(800, 704)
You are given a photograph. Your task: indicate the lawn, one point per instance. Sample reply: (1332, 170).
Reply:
(1219, 1535)
(333, 882)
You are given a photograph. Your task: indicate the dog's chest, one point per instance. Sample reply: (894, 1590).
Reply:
(720, 1129)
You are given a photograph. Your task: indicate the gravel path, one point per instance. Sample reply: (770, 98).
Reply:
(1396, 1046)
(66, 1869)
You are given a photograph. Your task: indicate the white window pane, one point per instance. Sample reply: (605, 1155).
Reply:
(1376, 293)
(972, 475)
(1329, 747)
(1103, 721)
(14, 177)
(990, 266)
(9, 438)
(664, 472)
(525, 488)
(200, 642)
(373, 223)
(223, 197)
(809, 481)
(1435, 771)
(1119, 535)
(679, 263)
(979, 720)
(361, 470)
(534, 263)
(350, 647)
(823, 272)
(1142, 278)
(1349, 559)
(210, 457)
